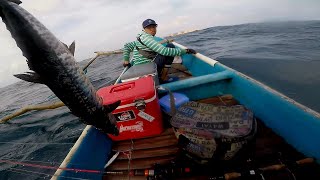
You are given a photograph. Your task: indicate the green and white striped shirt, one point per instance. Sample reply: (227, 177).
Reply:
(151, 45)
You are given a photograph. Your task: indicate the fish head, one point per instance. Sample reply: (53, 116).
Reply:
(108, 110)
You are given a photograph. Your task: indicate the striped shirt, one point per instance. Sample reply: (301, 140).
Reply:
(151, 45)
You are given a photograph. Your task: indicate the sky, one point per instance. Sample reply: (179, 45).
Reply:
(104, 25)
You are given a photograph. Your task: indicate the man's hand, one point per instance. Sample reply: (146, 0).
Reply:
(191, 51)
(169, 40)
(166, 41)
(126, 63)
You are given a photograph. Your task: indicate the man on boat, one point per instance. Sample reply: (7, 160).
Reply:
(147, 49)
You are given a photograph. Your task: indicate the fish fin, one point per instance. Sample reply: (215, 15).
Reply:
(72, 47)
(110, 107)
(30, 65)
(15, 1)
(65, 45)
(30, 77)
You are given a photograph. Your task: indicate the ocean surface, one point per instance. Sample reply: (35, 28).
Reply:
(282, 55)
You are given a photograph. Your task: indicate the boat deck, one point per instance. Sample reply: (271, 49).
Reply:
(178, 70)
(266, 149)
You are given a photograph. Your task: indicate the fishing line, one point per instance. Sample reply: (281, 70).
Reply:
(52, 167)
(22, 171)
(36, 143)
(26, 173)
(46, 162)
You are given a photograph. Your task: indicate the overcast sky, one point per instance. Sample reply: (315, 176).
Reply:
(108, 24)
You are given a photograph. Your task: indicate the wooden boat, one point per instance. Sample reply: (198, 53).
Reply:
(295, 127)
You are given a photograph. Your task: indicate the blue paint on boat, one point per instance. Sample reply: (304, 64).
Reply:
(297, 124)
(92, 154)
(202, 86)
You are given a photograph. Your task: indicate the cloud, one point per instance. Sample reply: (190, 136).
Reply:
(108, 24)
(41, 6)
(14, 67)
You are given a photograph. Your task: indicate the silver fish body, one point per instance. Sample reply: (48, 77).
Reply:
(54, 65)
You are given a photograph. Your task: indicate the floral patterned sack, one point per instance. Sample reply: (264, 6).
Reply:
(208, 131)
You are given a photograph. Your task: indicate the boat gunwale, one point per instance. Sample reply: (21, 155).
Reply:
(266, 87)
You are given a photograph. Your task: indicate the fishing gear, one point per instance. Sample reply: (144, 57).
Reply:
(174, 171)
(258, 173)
(167, 171)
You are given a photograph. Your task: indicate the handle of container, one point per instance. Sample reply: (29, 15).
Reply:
(122, 87)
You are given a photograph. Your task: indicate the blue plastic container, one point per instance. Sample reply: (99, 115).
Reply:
(178, 98)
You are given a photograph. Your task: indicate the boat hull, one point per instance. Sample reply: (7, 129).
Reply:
(297, 124)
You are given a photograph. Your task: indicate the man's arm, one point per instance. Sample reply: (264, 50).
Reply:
(127, 49)
(160, 49)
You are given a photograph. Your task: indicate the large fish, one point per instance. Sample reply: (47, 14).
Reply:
(53, 64)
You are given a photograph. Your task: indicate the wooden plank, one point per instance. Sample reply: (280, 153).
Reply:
(166, 131)
(180, 75)
(180, 71)
(148, 153)
(149, 143)
(178, 66)
(167, 138)
(222, 100)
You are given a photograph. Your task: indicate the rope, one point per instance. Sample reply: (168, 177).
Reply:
(224, 103)
(127, 153)
(129, 156)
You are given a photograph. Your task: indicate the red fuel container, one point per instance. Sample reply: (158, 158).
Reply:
(139, 113)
